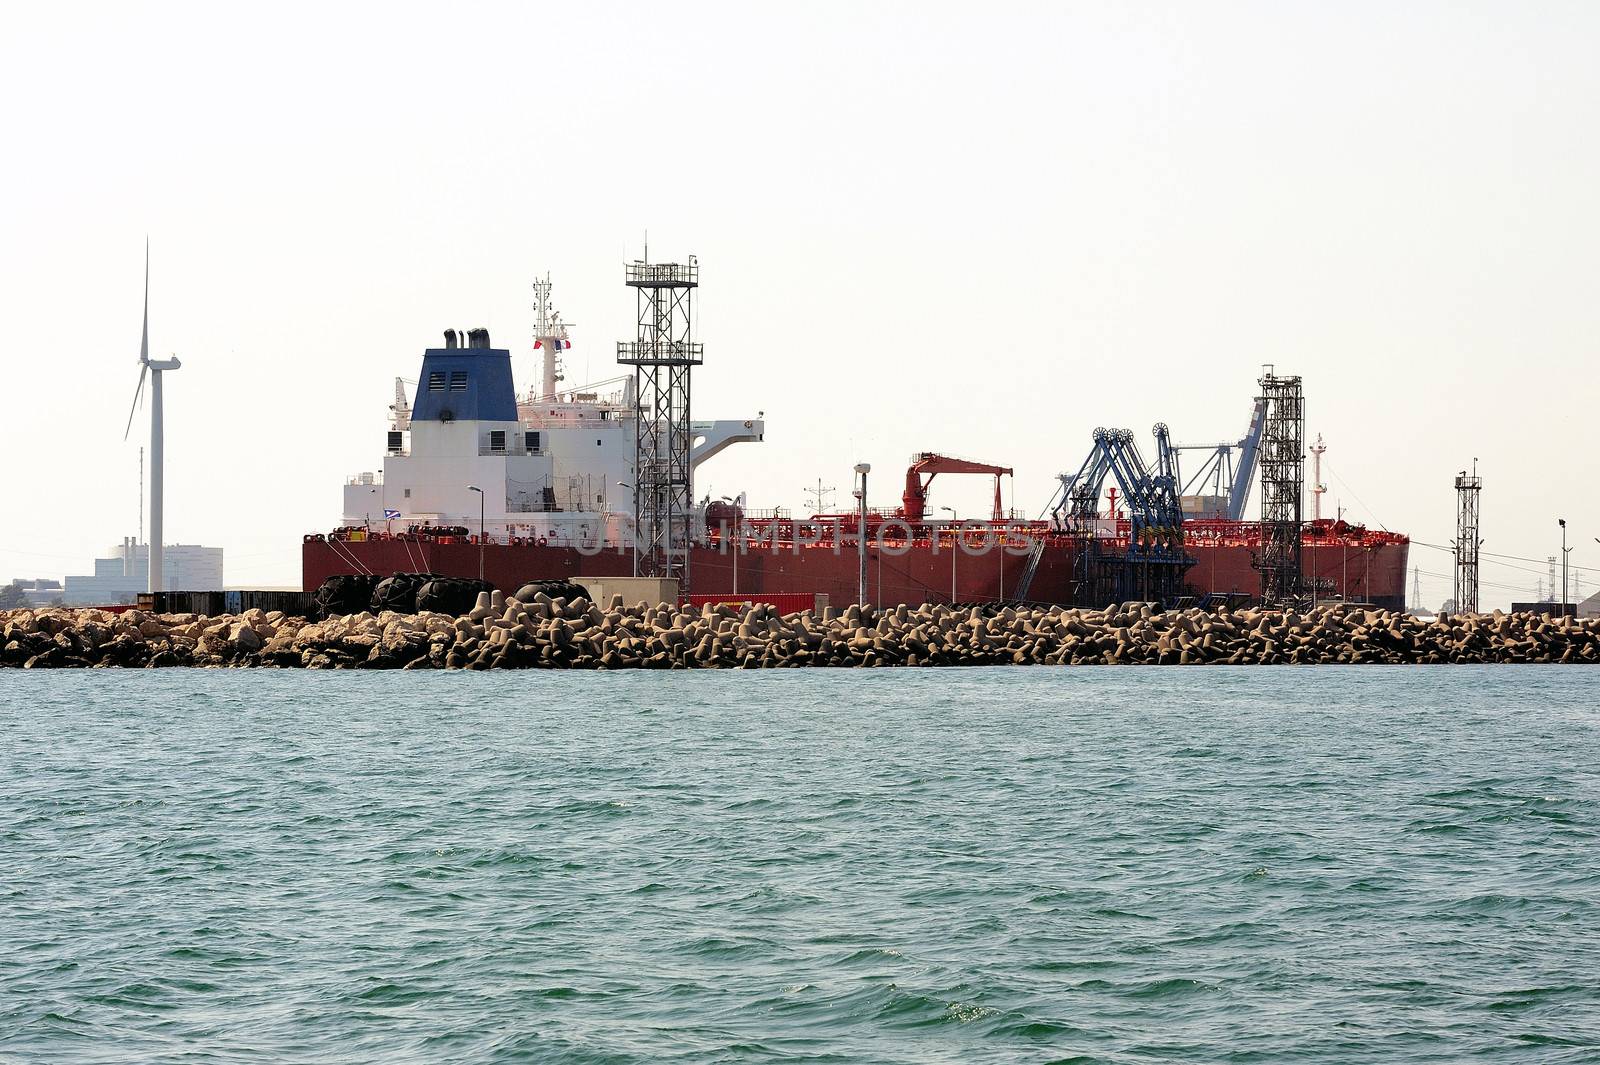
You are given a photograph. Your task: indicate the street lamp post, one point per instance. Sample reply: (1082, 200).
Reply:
(1344, 561)
(1564, 551)
(475, 488)
(1313, 566)
(953, 535)
(634, 535)
(738, 544)
(1597, 541)
(862, 469)
(1000, 542)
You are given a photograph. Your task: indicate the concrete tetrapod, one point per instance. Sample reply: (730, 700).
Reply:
(538, 631)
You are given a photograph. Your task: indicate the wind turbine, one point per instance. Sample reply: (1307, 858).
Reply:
(153, 368)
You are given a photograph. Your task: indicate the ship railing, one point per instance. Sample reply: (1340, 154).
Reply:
(554, 539)
(659, 353)
(1223, 533)
(538, 421)
(665, 274)
(828, 533)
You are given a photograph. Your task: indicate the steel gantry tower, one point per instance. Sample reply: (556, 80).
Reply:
(662, 355)
(1468, 487)
(1283, 478)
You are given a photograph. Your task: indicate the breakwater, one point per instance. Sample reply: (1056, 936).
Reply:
(538, 631)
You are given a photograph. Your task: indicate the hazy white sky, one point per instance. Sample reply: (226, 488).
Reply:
(980, 229)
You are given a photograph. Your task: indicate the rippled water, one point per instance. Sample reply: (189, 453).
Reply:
(998, 865)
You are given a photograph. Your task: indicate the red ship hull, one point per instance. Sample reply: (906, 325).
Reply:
(1368, 568)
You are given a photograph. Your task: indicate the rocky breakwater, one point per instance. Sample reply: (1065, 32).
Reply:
(536, 631)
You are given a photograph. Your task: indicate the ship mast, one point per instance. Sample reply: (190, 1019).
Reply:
(1317, 487)
(820, 497)
(549, 334)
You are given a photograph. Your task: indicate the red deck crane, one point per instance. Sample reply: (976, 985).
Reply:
(914, 503)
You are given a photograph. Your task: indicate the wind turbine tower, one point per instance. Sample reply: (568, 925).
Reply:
(153, 368)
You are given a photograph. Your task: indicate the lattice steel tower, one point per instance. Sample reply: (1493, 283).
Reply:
(1468, 487)
(1283, 480)
(662, 356)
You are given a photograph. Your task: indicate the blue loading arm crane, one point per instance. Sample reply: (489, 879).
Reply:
(1168, 482)
(1076, 503)
(1155, 509)
(1127, 465)
(1249, 448)
(1166, 490)
(1155, 561)
(1217, 476)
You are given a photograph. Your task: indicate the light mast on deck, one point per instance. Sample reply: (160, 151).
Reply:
(549, 334)
(1317, 487)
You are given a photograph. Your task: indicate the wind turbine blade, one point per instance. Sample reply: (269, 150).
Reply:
(138, 395)
(144, 336)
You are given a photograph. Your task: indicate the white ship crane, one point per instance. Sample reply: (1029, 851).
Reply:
(400, 409)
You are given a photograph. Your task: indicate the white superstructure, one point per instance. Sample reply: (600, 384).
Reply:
(554, 466)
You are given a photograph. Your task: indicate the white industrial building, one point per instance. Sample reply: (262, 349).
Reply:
(125, 572)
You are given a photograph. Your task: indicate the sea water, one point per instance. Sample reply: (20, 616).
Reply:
(1342, 864)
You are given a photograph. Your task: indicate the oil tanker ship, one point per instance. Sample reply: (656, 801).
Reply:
(479, 479)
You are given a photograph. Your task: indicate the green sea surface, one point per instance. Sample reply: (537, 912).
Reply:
(1119, 865)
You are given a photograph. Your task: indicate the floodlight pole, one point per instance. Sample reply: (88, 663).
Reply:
(1564, 550)
(954, 533)
(862, 469)
(475, 488)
